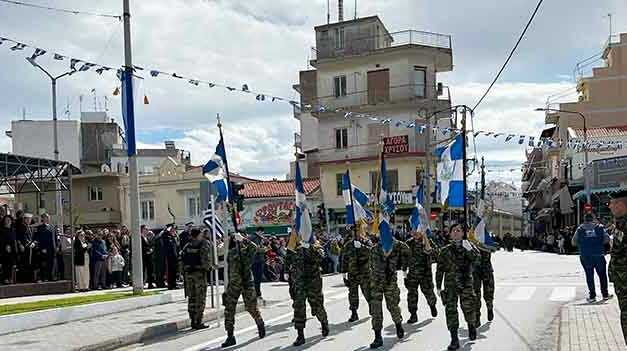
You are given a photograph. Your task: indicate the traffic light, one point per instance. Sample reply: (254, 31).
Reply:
(238, 199)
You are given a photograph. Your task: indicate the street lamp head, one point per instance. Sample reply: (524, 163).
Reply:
(540, 109)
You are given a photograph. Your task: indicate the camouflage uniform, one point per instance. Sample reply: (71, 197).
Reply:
(418, 264)
(355, 263)
(483, 273)
(307, 283)
(455, 265)
(618, 269)
(240, 283)
(383, 283)
(196, 263)
(289, 268)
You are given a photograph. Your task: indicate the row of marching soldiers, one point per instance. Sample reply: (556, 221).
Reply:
(463, 270)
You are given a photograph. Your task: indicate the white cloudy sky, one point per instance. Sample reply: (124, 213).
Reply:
(266, 43)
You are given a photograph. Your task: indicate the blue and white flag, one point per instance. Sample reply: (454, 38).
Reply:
(215, 171)
(419, 220)
(451, 173)
(356, 210)
(303, 216)
(481, 233)
(387, 209)
(208, 221)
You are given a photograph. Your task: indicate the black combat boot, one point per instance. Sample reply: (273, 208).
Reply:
(325, 329)
(454, 340)
(434, 311)
(413, 317)
(472, 332)
(261, 329)
(378, 340)
(199, 325)
(490, 314)
(354, 317)
(300, 340)
(400, 332)
(230, 338)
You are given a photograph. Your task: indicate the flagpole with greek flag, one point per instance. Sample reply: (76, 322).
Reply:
(302, 220)
(216, 271)
(348, 186)
(387, 209)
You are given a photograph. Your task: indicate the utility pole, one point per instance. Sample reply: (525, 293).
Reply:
(427, 175)
(465, 170)
(129, 107)
(482, 178)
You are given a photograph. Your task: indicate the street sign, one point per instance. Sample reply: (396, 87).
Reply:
(396, 144)
(587, 208)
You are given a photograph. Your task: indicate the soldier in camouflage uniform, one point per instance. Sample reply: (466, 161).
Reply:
(196, 264)
(383, 282)
(355, 257)
(305, 267)
(455, 266)
(483, 273)
(240, 256)
(618, 262)
(418, 265)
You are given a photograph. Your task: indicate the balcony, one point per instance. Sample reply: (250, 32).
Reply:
(367, 150)
(407, 94)
(329, 49)
(100, 217)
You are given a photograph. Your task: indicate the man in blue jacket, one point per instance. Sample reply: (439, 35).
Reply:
(591, 238)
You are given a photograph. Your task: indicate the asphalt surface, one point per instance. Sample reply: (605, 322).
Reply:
(531, 288)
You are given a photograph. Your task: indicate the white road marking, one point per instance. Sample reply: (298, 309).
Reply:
(522, 293)
(268, 322)
(563, 293)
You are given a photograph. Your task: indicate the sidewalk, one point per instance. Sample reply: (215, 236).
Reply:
(588, 327)
(121, 329)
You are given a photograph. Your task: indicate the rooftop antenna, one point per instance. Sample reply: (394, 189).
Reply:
(93, 91)
(106, 102)
(355, 9)
(340, 10)
(80, 103)
(609, 15)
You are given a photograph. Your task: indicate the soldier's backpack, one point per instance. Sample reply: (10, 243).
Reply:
(191, 257)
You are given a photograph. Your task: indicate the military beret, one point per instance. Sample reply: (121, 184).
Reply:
(618, 194)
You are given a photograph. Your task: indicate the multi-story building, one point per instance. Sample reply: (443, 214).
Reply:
(362, 68)
(556, 175)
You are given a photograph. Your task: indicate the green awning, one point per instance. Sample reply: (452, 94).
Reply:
(278, 230)
(580, 195)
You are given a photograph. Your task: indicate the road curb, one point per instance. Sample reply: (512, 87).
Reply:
(151, 332)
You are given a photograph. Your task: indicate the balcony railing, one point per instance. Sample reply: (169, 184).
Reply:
(394, 94)
(330, 48)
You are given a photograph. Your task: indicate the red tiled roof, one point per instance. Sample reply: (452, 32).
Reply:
(603, 132)
(277, 188)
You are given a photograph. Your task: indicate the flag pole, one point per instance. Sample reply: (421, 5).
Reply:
(228, 179)
(216, 271)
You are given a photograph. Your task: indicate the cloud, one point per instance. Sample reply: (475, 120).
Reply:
(265, 43)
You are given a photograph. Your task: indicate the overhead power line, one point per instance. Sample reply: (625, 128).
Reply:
(522, 35)
(74, 12)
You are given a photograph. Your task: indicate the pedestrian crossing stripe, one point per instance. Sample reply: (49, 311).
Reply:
(557, 293)
(565, 293)
(523, 293)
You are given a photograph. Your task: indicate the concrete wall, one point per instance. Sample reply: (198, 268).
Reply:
(35, 139)
(106, 211)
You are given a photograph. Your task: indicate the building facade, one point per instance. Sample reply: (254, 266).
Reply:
(361, 70)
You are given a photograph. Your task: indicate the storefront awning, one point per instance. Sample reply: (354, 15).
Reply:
(581, 195)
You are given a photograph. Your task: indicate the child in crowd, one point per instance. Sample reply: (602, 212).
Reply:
(117, 266)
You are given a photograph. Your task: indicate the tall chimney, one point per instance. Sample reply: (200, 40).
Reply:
(340, 9)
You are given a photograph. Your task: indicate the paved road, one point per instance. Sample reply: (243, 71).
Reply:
(531, 287)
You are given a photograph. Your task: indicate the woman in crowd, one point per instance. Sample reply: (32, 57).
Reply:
(8, 244)
(81, 262)
(25, 248)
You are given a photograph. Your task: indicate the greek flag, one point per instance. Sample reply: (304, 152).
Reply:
(207, 219)
(419, 220)
(303, 217)
(356, 210)
(481, 233)
(215, 171)
(451, 173)
(387, 209)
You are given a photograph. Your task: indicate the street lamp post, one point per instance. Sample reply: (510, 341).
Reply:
(585, 149)
(55, 132)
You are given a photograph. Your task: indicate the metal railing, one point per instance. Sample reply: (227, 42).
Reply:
(418, 93)
(331, 48)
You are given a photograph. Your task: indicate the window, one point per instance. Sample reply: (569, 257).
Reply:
(392, 176)
(148, 210)
(193, 206)
(376, 130)
(95, 193)
(339, 84)
(341, 138)
(339, 38)
(338, 183)
(420, 81)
